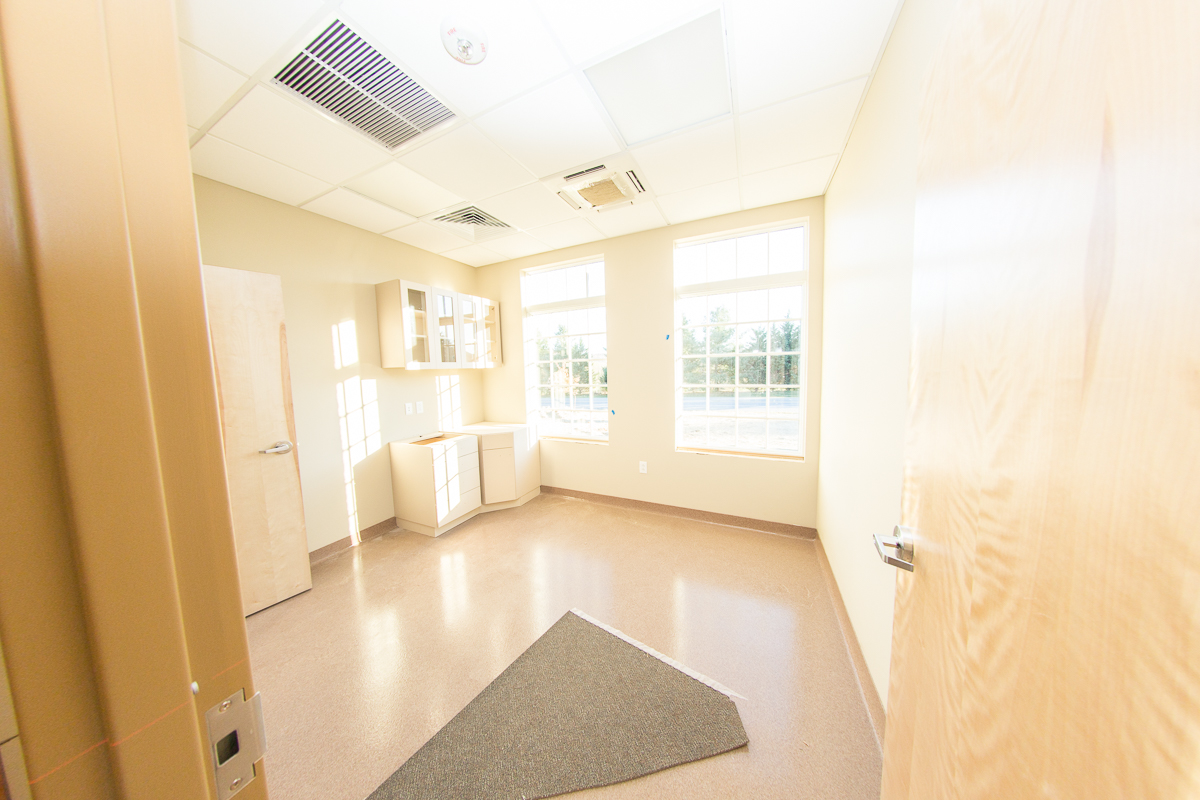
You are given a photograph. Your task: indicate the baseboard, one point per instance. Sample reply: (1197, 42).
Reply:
(520, 501)
(377, 530)
(866, 686)
(328, 551)
(766, 526)
(425, 530)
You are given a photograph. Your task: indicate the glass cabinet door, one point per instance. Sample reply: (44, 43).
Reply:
(489, 333)
(471, 329)
(416, 304)
(446, 324)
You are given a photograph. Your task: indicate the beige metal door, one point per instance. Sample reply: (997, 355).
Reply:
(245, 314)
(1047, 644)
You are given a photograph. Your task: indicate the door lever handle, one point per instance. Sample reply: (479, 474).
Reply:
(279, 448)
(896, 549)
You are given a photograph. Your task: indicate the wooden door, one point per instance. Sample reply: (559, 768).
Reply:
(245, 315)
(1048, 642)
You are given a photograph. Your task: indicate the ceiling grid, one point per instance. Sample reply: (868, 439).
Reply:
(560, 84)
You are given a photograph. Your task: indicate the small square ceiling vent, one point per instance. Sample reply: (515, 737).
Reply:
(599, 187)
(347, 77)
(473, 224)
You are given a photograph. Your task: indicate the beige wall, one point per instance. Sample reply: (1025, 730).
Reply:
(868, 274)
(329, 273)
(640, 298)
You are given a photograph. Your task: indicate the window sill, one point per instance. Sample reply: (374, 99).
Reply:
(739, 454)
(572, 440)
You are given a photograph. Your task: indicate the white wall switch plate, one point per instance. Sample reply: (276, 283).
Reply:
(642, 467)
(408, 408)
(420, 407)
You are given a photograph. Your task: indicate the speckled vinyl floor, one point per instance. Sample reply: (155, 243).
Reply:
(400, 633)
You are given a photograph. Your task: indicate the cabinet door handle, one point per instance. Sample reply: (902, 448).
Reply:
(897, 549)
(279, 448)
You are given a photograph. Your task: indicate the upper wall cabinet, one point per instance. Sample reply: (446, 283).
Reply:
(447, 324)
(423, 327)
(404, 321)
(489, 333)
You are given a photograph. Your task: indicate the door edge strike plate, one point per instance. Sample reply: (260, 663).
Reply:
(236, 739)
(900, 543)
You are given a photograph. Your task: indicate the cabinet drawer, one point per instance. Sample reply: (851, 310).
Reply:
(446, 467)
(496, 439)
(467, 501)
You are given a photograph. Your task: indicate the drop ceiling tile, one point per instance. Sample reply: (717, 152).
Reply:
(701, 202)
(827, 43)
(217, 159)
(400, 187)
(551, 129)
(207, 84)
(797, 130)
(686, 160)
(522, 52)
(354, 209)
(673, 81)
(628, 219)
(243, 34)
(474, 255)
(794, 182)
(567, 233)
(427, 237)
(528, 207)
(298, 136)
(517, 246)
(464, 162)
(590, 30)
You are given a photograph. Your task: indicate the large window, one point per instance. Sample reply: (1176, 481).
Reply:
(566, 350)
(741, 308)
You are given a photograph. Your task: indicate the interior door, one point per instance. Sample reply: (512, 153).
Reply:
(1047, 642)
(245, 316)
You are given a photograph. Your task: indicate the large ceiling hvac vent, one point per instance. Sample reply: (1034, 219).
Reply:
(472, 223)
(600, 187)
(340, 72)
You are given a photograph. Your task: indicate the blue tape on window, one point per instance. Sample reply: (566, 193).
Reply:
(613, 410)
(668, 336)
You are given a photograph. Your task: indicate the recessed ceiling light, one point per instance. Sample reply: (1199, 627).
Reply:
(465, 43)
(669, 83)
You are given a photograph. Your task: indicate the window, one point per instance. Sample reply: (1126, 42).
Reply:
(741, 353)
(566, 350)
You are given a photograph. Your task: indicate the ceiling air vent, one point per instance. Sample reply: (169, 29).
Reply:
(343, 74)
(473, 223)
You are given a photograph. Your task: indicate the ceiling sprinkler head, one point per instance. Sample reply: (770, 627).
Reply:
(465, 44)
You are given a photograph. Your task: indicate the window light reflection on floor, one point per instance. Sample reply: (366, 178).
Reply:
(455, 597)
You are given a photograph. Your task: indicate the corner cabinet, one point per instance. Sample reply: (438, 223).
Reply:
(424, 327)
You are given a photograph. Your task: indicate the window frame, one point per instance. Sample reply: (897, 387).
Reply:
(795, 279)
(532, 384)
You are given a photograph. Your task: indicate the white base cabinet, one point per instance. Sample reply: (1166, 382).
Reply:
(435, 482)
(510, 464)
(442, 480)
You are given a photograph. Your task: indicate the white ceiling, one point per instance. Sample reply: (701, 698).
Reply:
(718, 123)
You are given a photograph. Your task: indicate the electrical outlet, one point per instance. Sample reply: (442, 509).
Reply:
(420, 407)
(642, 467)
(408, 408)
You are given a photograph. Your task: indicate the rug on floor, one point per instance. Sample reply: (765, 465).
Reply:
(580, 708)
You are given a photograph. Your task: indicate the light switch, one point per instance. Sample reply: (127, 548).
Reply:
(420, 407)
(408, 408)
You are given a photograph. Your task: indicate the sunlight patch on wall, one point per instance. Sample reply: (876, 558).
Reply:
(449, 400)
(358, 417)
